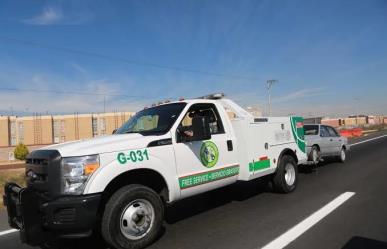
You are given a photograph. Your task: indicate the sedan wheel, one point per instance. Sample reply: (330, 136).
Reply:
(315, 155)
(342, 155)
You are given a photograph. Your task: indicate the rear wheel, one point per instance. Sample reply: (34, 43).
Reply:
(315, 155)
(286, 177)
(133, 217)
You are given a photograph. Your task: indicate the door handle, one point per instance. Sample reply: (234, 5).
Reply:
(229, 145)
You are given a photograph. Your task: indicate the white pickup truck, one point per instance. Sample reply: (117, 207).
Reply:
(119, 184)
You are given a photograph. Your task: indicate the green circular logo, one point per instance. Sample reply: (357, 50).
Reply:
(209, 154)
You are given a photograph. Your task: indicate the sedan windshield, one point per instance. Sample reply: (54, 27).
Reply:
(153, 121)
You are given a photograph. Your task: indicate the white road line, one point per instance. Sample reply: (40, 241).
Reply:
(365, 141)
(8, 231)
(304, 225)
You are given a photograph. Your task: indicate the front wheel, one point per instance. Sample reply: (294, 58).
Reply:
(286, 176)
(343, 156)
(133, 217)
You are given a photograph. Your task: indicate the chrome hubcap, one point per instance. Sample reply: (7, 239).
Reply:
(137, 219)
(290, 174)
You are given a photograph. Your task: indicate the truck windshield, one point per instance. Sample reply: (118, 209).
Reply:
(153, 121)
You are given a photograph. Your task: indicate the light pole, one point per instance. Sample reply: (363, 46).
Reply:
(104, 103)
(356, 105)
(269, 83)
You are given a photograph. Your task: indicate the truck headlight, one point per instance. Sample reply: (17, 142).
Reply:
(76, 171)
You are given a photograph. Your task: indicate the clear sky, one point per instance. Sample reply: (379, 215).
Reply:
(330, 57)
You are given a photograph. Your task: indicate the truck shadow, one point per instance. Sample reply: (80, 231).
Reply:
(358, 242)
(184, 209)
(238, 191)
(309, 169)
(195, 205)
(192, 206)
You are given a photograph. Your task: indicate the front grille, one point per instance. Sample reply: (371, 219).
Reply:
(37, 161)
(43, 171)
(36, 170)
(33, 176)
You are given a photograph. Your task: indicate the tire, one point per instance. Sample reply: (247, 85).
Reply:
(286, 177)
(343, 155)
(315, 155)
(132, 207)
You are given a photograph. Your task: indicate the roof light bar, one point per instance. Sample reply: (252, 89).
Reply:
(212, 96)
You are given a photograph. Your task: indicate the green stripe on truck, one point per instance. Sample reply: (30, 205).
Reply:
(259, 165)
(298, 131)
(209, 176)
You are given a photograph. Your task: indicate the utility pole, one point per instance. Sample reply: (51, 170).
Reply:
(356, 105)
(269, 83)
(104, 103)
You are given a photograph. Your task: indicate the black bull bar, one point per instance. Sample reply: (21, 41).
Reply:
(24, 215)
(41, 219)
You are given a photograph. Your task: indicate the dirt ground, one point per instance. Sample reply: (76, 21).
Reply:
(12, 166)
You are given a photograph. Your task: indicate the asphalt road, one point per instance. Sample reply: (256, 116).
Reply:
(249, 215)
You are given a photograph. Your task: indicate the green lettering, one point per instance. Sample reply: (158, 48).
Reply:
(133, 156)
(146, 154)
(121, 158)
(139, 155)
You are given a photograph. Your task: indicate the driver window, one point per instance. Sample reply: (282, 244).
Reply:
(332, 132)
(324, 131)
(203, 110)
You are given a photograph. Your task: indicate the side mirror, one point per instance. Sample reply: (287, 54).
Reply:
(200, 129)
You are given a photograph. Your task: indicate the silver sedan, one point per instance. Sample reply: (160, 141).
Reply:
(324, 141)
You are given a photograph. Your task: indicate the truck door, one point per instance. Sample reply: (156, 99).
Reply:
(209, 164)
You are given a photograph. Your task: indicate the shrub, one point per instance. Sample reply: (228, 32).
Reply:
(21, 152)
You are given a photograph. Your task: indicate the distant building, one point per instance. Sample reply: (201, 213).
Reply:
(316, 120)
(355, 121)
(334, 122)
(351, 121)
(375, 120)
(41, 130)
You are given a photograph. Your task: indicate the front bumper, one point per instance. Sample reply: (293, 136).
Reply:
(41, 220)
